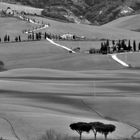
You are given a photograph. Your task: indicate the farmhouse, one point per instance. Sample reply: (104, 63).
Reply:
(126, 10)
(9, 11)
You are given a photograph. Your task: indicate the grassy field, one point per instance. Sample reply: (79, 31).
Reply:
(84, 45)
(128, 22)
(43, 99)
(131, 58)
(13, 27)
(45, 55)
(45, 87)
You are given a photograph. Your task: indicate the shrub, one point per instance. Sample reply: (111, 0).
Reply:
(2, 66)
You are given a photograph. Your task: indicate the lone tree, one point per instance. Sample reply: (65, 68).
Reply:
(94, 127)
(106, 129)
(80, 127)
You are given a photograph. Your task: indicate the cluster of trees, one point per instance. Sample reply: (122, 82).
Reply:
(35, 36)
(119, 46)
(38, 36)
(95, 127)
(116, 47)
(18, 39)
(6, 38)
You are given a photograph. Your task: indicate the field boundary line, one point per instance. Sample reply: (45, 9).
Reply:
(12, 127)
(112, 119)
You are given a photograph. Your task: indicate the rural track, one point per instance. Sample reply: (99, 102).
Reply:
(50, 40)
(64, 47)
(114, 57)
(11, 127)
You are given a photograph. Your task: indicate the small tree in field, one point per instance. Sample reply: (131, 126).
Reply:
(106, 129)
(1, 65)
(80, 127)
(94, 127)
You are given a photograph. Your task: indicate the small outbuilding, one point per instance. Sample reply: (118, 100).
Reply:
(9, 11)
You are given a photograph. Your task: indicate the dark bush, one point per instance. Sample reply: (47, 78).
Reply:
(2, 66)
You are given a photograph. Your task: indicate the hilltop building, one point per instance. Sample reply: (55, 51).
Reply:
(9, 11)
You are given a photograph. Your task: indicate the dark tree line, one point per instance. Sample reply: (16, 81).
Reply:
(7, 38)
(35, 36)
(116, 47)
(119, 46)
(95, 127)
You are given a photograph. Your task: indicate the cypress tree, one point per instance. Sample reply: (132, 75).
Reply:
(134, 45)
(19, 38)
(5, 38)
(139, 46)
(129, 46)
(8, 38)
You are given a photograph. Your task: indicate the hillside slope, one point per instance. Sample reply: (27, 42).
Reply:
(95, 11)
(128, 22)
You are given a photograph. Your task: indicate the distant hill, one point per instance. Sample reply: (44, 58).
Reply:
(87, 11)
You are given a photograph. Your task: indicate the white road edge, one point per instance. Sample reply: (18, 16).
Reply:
(64, 47)
(114, 56)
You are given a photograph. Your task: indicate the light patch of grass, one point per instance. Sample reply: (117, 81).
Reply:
(128, 22)
(13, 27)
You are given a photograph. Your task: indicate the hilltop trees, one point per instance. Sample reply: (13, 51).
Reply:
(96, 127)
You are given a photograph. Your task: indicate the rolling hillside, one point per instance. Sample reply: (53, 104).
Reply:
(95, 11)
(45, 87)
(128, 22)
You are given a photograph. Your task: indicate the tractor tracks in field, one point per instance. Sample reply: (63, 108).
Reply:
(11, 127)
(111, 119)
